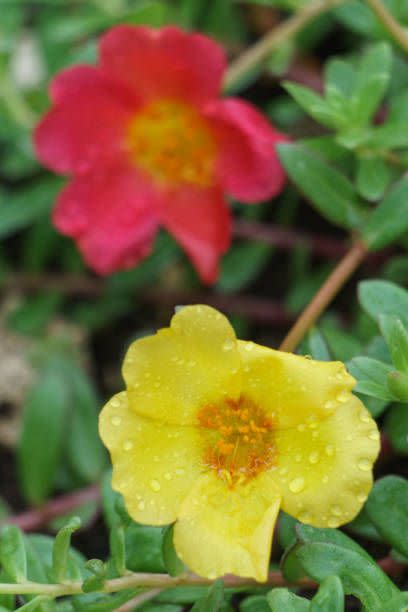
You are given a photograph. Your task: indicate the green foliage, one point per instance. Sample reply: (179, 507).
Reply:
(387, 508)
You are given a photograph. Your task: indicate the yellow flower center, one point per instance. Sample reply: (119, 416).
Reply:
(239, 440)
(170, 141)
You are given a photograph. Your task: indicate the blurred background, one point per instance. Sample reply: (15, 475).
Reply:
(63, 330)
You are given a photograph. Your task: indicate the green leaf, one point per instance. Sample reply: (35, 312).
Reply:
(372, 377)
(85, 452)
(396, 336)
(387, 507)
(371, 82)
(330, 596)
(42, 437)
(396, 426)
(13, 556)
(283, 599)
(34, 604)
(105, 603)
(373, 176)
(339, 76)
(32, 317)
(389, 221)
(242, 264)
(19, 209)
(313, 104)
(96, 581)
(213, 601)
(316, 345)
(398, 385)
(360, 577)
(39, 550)
(118, 548)
(330, 192)
(399, 603)
(255, 603)
(61, 549)
(382, 297)
(173, 564)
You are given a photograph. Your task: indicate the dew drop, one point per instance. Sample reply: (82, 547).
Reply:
(329, 405)
(249, 346)
(128, 445)
(297, 485)
(333, 522)
(141, 505)
(361, 497)
(115, 403)
(336, 510)
(364, 465)
(301, 427)
(364, 417)
(325, 479)
(374, 434)
(116, 420)
(343, 396)
(155, 485)
(180, 471)
(167, 476)
(298, 458)
(228, 345)
(329, 450)
(305, 517)
(314, 457)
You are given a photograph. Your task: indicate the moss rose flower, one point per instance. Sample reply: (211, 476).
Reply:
(216, 435)
(150, 143)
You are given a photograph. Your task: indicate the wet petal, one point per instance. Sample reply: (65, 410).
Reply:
(174, 373)
(291, 388)
(325, 469)
(222, 531)
(154, 465)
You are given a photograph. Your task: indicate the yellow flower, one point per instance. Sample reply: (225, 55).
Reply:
(217, 434)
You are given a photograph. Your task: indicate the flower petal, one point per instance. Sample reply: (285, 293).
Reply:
(291, 388)
(200, 221)
(165, 63)
(154, 465)
(172, 374)
(248, 166)
(87, 124)
(325, 471)
(222, 531)
(111, 212)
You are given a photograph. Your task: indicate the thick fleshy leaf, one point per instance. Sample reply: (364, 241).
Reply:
(248, 166)
(221, 530)
(200, 221)
(166, 63)
(184, 367)
(324, 468)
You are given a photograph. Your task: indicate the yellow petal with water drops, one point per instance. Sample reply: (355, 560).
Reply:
(228, 531)
(194, 362)
(154, 465)
(290, 388)
(324, 468)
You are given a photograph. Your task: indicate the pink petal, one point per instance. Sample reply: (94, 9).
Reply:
(248, 166)
(87, 124)
(200, 221)
(113, 216)
(165, 63)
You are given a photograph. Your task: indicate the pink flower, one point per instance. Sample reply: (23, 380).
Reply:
(150, 143)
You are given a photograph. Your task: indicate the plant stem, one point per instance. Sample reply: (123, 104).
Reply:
(153, 581)
(390, 23)
(279, 35)
(325, 295)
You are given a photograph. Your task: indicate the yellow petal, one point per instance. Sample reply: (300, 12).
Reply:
(291, 388)
(324, 469)
(154, 465)
(193, 362)
(221, 530)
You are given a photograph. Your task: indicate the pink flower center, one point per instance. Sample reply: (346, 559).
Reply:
(171, 142)
(239, 441)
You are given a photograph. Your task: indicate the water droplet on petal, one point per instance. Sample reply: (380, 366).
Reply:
(325, 479)
(228, 345)
(364, 465)
(155, 485)
(301, 427)
(343, 397)
(361, 497)
(115, 403)
(314, 457)
(128, 445)
(374, 434)
(364, 416)
(329, 405)
(249, 346)
(141, 505)
(329, 450)
(167, 476)
(336, 510)
(297, 485)
(116, 420)
(333, 522)
(305, 517)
